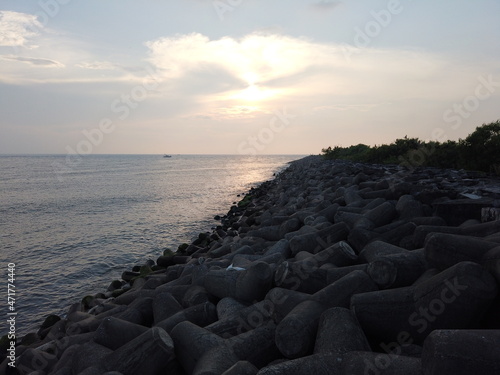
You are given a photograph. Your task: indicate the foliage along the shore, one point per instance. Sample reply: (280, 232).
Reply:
(479, 151)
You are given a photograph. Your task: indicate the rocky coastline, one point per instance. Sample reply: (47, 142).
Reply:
(332, 267)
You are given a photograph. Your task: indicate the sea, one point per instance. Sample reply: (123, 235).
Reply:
(70, 226)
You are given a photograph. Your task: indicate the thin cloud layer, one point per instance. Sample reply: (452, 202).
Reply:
(98, 65)
(34, 61)
(325, 5)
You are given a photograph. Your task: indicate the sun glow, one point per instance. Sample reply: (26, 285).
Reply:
(250, 77)
(253, 93)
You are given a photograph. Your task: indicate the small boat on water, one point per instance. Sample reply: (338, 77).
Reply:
(167, 156)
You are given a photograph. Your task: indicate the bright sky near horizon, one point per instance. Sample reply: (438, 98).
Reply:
(243, 76)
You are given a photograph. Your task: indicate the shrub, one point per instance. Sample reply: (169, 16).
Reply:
(479, 151)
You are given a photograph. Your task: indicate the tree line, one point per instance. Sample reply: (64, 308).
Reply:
(479, 151)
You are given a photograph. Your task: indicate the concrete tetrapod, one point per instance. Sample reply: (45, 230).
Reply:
(319, 240)
(445, 250)
(215, 361)
(296, 333)
(384, 315)
(363, 363)
(228, 306)
(491, 262)
(32, 360)
(243, 320)
(300, 277)
(382, 214)
(422, 231)
(192, 343)
(164, 306)
(455, 298)
(483, 229)
(337, 294)
(317, 364)
(397, 270)
(146, 354)
(114, 332)
(293, 275)
(242, 368)
(377, 249)
(339, 254)
(247, 285)
(202, 315)
(88, 355)
(339, 332)
(461, 352)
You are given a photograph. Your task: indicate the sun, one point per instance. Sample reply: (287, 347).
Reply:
(253, 93)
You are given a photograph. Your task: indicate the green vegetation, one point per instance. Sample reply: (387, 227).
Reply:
(479, 151)
(245, 201)
(168, 252)
(182, 248)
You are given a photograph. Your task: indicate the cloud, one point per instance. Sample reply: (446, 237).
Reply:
(347, 107)
(248, 77)
(262, 62)
(17, 28)
(236, 112)
(241, 78)
(98, 65)
(108, 65)
(325, 5)
(253, 59)
(34, 61)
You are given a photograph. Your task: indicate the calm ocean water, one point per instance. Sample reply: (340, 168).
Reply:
(72, 229)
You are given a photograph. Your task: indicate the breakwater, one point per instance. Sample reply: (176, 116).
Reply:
(330, 268)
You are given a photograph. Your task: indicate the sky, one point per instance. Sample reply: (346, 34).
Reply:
(243, 76)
